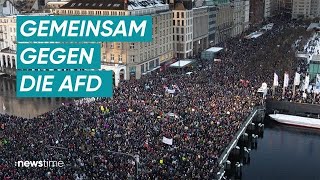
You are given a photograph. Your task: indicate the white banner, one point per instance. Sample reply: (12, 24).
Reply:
(170, 91)
(297, 79)
(306, 82)
(318, 81)
(275, 80)
(286, 80)
(167, 141)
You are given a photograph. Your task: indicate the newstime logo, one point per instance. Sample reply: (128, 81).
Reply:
(44, 164)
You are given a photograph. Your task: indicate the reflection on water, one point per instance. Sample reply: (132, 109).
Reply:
(24, 107)
(285, 152)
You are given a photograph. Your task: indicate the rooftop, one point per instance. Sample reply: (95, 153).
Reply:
(113, 4)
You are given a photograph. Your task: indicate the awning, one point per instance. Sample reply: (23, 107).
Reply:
(181, 63)
(2, 74)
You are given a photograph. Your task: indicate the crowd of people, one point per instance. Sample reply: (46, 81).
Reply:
(301, 93)
(200, 112)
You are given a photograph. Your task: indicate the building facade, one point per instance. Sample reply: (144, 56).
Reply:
(130, 60)
(267, 9)
(256, 12)
(212, 12)
(240, 16)
(224, 22)
(8, 45)
(183, 30)
(200, 29)
(305, 9)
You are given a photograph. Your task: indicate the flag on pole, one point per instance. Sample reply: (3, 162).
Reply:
(286, 80)
(297, 79)
(306, 82)
(275, 80)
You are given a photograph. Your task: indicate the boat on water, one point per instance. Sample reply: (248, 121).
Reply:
(296, 120)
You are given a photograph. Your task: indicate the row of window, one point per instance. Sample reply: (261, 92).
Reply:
(149, 65)
(11, 20)
(120, 59)
(182, 14)
(118, 45)
(92, 12)
(182, 37)
(181, 23)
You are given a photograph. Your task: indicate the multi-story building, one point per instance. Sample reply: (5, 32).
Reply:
(286, 6)
(267, 9)
(305, 8)
(212, 11)
(274, 7)
(131, 60)
(8, 44)
(256, 12)
(183, 30)
(200, 29)
(315, 8)
(240, 16)
(224, 22)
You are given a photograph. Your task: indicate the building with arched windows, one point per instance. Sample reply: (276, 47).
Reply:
(130, 60)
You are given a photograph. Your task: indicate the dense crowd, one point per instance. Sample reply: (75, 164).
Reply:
(200, 112)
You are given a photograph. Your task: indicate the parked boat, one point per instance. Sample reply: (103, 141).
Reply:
(296, 120)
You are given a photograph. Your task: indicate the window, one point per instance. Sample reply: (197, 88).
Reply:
(131, 45)
(174, 22)
(182, 23)
(182, 30)
(132, 58)
(111, 45)
(151, 64)
(120, 58)
(177, 14)
(119, 45)
(142, 68)
(182, 14)
(112, 57)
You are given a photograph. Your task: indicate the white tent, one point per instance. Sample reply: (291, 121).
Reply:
(214, 49)
(181, 63)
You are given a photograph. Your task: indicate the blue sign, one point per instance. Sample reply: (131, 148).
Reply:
(64, 84)
(84, 28)
(58, 56)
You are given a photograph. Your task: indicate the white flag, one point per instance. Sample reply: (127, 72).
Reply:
(286, 80)
(275, 80)
(297, 79)
(318, 81)
(306, 82)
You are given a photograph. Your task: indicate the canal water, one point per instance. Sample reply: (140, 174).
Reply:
(23, 107)
(284, 153)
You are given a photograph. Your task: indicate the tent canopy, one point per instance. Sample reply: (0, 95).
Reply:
(181, 63)
(214, 49)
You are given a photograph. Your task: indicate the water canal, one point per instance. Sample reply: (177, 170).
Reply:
(24, 107)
